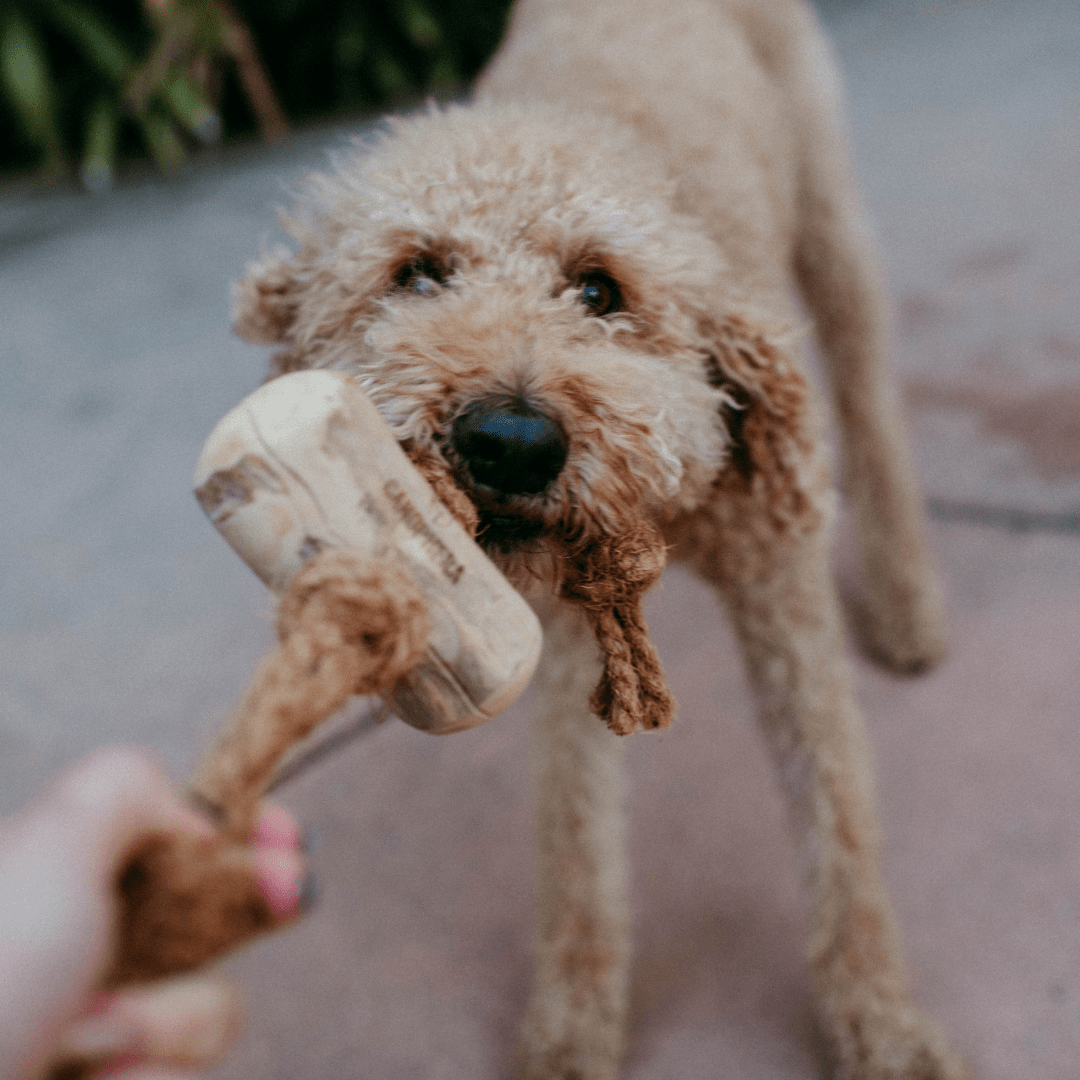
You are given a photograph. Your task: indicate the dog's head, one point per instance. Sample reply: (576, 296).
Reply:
(520, 296)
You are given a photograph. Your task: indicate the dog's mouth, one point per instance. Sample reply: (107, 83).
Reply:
(505, 534)
(506, 454)
(507, 524)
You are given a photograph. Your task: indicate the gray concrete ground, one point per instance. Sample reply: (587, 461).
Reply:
(124, 617)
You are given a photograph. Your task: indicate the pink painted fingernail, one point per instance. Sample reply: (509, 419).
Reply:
(277, 828)
(281, 877)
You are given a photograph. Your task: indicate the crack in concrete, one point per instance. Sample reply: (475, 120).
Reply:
(1004, 517)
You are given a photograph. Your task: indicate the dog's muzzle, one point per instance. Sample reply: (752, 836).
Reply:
(508, 447)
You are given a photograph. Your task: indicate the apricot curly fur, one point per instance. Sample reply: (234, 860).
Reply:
(437, 473)
(693, 155)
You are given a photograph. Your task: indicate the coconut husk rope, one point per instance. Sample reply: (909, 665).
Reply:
(348, 624)
(609, 578)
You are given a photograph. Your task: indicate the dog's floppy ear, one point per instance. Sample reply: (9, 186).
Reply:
(768, 414)
(265, 300)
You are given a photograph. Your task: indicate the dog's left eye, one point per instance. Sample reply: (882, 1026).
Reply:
(423, 276)
(600, 294)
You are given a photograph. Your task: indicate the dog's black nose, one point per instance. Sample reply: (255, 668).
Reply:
(509, 446)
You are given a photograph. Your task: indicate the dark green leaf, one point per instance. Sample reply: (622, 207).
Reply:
(188, 105)
(28, 83)
(99, 153)
(164, 143)
(100, 45)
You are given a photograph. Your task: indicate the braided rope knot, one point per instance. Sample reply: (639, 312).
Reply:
(349, 611)
(617, 570)
(608, 578)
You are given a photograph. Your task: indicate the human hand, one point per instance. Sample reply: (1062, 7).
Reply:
(59, 860)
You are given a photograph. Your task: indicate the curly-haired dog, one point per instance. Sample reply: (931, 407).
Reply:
(577, 292)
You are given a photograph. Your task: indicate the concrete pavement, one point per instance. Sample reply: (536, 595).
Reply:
(124, 617)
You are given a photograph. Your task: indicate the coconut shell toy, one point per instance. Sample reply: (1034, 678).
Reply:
(306, 482)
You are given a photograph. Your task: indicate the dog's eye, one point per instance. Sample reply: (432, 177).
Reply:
(423, 276)
(600, 294)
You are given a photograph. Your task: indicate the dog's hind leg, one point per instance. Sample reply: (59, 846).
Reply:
(767, 554)
(789, 628)
(841, 279)
(573, 1028)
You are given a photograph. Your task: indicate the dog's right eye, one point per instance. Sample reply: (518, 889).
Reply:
(423, 276)
(600, 294)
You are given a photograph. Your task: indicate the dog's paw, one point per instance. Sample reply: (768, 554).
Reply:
(565, 1062)
(896, 1044)
(903, 630)
(184, 902)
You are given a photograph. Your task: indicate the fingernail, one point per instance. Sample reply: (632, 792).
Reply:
(275, 827)
(310, 892)
(281, 878)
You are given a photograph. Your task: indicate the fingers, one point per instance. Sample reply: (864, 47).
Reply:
(276, 828)
(60, 858)
(114, 797)
(282, 874)
(184, 903)
(283, 881)
(185, 1023)
(58, 861)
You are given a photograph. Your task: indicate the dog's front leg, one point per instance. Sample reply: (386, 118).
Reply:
(778, 590)
(573, 1028)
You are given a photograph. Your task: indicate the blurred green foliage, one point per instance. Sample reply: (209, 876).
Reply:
(85, 82)
(329, 55)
